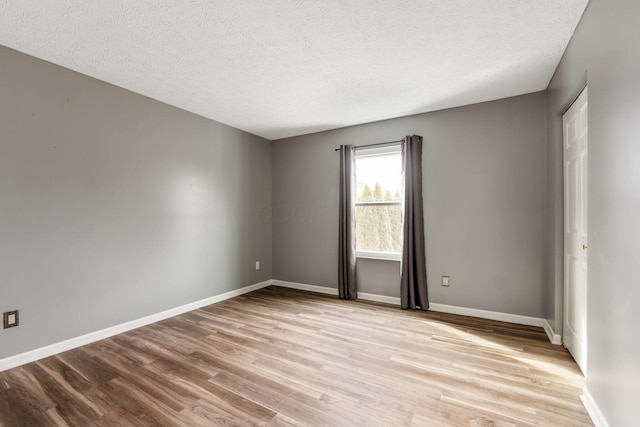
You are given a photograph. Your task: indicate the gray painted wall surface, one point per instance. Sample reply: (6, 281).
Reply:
(114, 206)
(484, 171)
(605, 52)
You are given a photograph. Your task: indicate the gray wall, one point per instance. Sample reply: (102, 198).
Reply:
(115, 206)
(485, 205)
(605, 52)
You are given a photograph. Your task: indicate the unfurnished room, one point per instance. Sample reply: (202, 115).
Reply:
(320, 213)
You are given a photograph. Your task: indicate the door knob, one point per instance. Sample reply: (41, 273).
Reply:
(584, 247)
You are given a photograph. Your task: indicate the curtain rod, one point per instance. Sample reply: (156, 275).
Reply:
(373, 145)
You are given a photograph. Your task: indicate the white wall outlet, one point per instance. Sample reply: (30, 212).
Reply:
(257, 265)
(10, 319)
(445, 280)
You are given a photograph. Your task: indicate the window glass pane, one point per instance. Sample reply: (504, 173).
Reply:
(378, 177)
(379, 228)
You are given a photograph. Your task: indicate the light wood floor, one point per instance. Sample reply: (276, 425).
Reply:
(283, 358)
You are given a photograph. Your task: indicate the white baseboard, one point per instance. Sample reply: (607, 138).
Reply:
(593, 409)
(50, 350)
(442, 308)
(553, 337)
(379, 298)
(305, 287)
(334, 291)
(486, 314)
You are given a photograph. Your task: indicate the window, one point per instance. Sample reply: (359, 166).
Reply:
(379, 203)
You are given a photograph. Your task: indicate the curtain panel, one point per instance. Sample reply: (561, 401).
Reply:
(413, 282)
(347, 286)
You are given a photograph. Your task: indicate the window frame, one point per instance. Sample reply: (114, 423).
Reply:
(376, 152)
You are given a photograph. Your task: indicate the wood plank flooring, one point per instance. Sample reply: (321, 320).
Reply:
(279, 357)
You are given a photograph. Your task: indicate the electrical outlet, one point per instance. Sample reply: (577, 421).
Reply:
(445, 280)
(257, 265)
(11, 319)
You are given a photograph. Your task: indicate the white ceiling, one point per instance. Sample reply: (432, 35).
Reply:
(279, 68)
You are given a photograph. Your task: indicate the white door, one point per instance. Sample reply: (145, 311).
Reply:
(574, 123)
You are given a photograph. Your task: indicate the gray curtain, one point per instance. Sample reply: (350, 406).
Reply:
(413, 283)
(347, 240)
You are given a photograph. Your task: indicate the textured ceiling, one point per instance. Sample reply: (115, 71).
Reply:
(280, 68)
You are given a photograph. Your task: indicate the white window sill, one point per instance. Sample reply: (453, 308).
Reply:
(379, 255)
